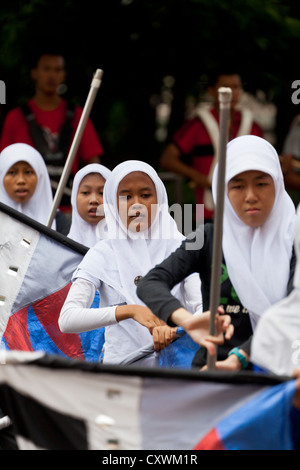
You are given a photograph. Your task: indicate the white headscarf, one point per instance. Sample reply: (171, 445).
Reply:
(257, 259)
(276, 342)
(124, 256)
(80, 230)
(40, 204)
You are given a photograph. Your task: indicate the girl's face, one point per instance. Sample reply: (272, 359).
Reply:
(252, 196)
(20, 182)
(137, 201)
(89, 197)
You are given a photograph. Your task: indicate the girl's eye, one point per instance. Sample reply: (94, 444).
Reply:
(145, 196)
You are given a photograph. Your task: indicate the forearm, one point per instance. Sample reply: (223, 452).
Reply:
(171, 160)
(76, 315)
(124, 312)
(181, 168)
(180, 316)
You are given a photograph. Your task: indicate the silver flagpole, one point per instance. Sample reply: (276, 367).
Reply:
(225, 97)
(95, 85)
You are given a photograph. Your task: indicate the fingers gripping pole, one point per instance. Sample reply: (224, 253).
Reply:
(225, 97)
(95, 85)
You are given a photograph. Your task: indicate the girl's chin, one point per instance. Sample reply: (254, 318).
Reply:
(94, 220)
(21, 199)
(137, 227)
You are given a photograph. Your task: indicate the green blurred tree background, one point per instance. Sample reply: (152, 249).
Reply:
(139, 42)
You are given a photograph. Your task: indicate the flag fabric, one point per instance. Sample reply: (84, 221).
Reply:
(36, 268)
(64, 404)
(251, 426)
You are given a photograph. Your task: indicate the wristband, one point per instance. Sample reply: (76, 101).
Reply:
(240, 356)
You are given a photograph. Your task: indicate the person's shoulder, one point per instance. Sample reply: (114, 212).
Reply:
(103, 245)
(247, 114)
(14, 113)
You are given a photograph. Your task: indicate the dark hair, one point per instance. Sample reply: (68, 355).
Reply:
(215, 74)
(44, 49)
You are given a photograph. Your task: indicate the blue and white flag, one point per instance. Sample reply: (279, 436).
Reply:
(60, 404)
(36, 268)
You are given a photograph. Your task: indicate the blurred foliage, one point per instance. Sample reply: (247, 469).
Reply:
(137, 43)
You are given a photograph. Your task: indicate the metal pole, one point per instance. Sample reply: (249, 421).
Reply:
(95, 85)
(225, 96)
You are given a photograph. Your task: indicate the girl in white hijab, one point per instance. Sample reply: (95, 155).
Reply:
(258, 229)
(257, 243)
(276, 341)
(257, 255)
(87, 194)
(39, 204)
(115, 265)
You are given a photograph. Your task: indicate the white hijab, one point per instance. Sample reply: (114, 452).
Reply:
(40, 204)
(124, 256)
(276, 342)
(80, 230)
(257, 259)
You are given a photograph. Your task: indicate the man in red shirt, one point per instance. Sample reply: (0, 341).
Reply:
(47, 123)
(198, 139)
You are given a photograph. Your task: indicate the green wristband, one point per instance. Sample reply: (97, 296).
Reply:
(240, 356)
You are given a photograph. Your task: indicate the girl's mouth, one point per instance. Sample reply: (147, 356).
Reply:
(137, 215)
(21, 192)
(252, 210)
(93, 212)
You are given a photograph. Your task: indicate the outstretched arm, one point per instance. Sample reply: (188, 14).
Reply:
(76, 315)
(197, 326)
(171, 160)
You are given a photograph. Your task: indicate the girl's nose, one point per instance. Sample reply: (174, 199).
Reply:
(137, 204)
(251, 194)
(136, 201)
(136, 208)
(20, 177)
(95, 198)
